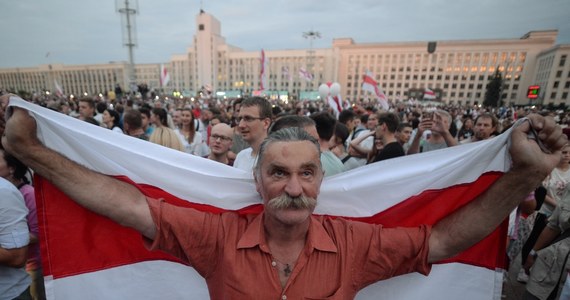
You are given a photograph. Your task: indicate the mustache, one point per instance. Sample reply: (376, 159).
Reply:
(284, 201)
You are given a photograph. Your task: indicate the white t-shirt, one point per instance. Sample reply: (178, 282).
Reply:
(244, 160)
(14, 234)
(198, 146)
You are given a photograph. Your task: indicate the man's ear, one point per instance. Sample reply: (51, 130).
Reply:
(267, 123)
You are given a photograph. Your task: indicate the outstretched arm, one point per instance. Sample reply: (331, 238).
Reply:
(480, 217)
(97, 192)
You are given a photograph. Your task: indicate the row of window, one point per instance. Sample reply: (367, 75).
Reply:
(449, 57)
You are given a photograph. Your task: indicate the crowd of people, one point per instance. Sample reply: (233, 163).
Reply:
(234, 132)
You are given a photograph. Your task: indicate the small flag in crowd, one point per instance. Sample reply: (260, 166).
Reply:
(263, 72)
(164, 76)
(58, 89)
(429, 94)
(371, 85)
(285, 71)
(304, 74)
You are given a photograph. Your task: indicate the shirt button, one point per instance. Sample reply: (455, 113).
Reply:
(273, 263)
(284, 297)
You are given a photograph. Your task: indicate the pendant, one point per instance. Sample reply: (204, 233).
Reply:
(287, 270)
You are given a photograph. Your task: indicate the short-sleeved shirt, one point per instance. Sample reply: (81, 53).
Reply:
(244, 160)
(390, 150)
(340, 257)
(14, 234)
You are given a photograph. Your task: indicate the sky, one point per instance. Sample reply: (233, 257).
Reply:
(70, 32)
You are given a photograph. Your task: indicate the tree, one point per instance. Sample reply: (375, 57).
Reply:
(494, 90)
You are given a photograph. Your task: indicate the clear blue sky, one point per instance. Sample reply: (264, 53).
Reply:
(89, 31)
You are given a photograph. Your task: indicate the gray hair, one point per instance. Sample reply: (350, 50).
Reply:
(446, 115)
(290, 134)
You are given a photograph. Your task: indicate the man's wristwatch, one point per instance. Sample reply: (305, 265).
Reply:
(533, 253)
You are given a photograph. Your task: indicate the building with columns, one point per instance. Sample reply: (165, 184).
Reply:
(458, 71)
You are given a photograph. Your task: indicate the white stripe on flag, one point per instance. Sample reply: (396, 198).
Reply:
(168, 280)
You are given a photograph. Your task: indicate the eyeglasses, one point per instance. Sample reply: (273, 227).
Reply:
(215, 137)
(247, 119)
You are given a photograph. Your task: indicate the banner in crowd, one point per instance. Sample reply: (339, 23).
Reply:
(86, 256)
(429, 94)
(263, 72)
(164, 76)
(371, 85)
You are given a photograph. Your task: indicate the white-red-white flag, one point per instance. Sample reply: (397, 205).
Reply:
(86, 254)
(58, 89)
(304, 74)
(371, 85)
(263, 72)
(164, 76)
(335, 103)
(285, 72)
(429, 94)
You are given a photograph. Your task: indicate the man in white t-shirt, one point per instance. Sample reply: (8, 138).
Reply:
(14, 240)
(253, 120)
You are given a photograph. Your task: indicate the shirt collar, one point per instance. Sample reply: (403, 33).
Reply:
(318, 237)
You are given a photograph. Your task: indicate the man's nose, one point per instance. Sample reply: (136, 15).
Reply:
(294, 187)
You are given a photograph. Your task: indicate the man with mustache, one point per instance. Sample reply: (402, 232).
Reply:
(285, 252)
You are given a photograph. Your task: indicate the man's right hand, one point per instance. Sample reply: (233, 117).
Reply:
(20, 134)
(424, 125)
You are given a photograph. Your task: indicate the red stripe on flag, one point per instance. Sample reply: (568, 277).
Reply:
(76, 241)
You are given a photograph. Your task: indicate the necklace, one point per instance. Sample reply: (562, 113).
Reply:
(287, 267)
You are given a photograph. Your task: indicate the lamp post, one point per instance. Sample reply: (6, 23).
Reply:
(311, 36)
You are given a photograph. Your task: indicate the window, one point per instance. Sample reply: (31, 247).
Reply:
(562, 61)
(555, 85)
(201, 27)
(565, 95)
(558, 74)
(553, 95)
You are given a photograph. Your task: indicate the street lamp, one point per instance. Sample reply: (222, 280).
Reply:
(311, 36)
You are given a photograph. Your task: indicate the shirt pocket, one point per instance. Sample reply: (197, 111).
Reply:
(545, 265)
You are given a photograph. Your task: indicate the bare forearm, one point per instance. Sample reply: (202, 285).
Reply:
(550, 201)
(546, 237)
(99, 193)
(360, 151)
(415, 146)
(14, 258)
(449, 139)
(481, 216)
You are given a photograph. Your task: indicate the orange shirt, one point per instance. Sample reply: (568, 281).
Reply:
(340, 257)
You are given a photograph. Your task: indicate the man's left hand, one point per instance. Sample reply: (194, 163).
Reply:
(525, 152)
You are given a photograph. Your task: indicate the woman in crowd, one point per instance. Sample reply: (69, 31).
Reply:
(556, 185)
(466, 131)
(14, 171)
(162, 134)
(191, 139)
(111, 120)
